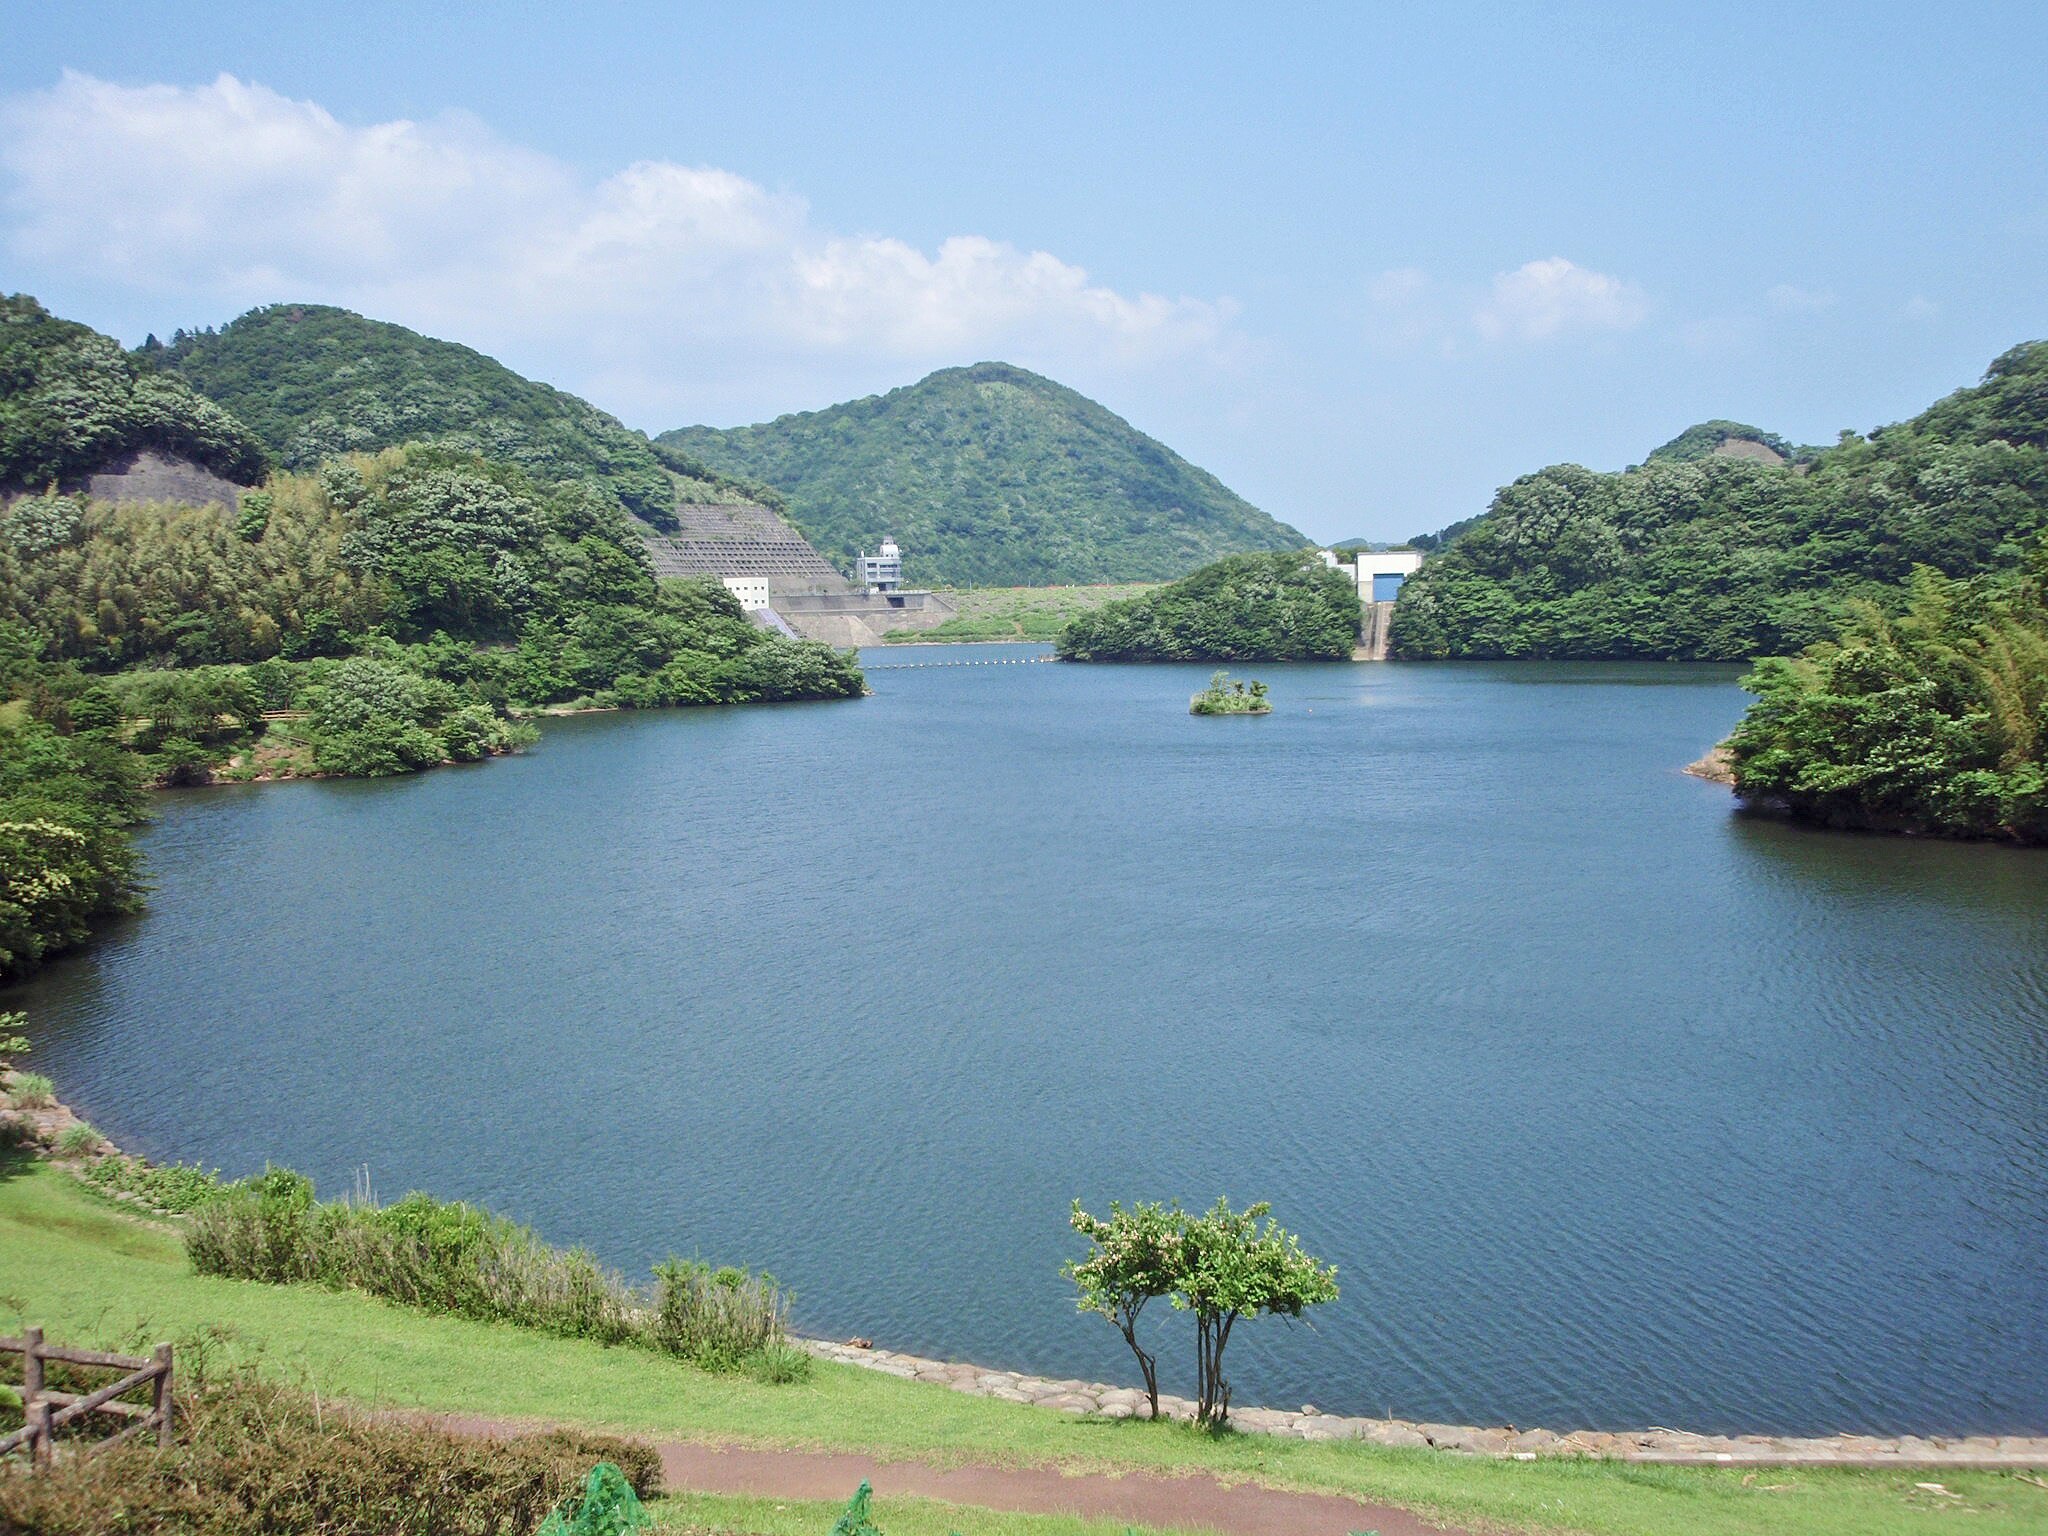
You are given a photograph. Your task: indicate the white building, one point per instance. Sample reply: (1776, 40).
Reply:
(751, 592)
(1381, 572)
(881, 572)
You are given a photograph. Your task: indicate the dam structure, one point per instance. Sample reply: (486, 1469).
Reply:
(1379, 574)
(780, 579)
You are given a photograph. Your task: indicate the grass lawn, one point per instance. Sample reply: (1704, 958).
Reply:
(1015, 613)
(90, 1273)
(689, 1514)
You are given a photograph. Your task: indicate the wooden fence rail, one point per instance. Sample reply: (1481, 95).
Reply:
(49, 1410)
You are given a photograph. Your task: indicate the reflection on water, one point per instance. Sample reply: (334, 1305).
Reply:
(1614, 1106)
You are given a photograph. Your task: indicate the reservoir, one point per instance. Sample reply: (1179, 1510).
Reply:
(1614, 1106)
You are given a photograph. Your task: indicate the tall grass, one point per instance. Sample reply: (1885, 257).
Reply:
(32, 1090)
(446, 1256)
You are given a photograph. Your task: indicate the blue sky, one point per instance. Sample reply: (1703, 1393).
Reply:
(1365, 263)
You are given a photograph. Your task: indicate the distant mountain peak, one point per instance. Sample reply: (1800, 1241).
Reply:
(990, 474)
(1728, 440)
(315, 380)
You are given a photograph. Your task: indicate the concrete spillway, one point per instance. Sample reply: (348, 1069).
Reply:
(1372, 638)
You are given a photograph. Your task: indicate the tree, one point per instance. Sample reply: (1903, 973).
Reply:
(1273, 607)
(1230, 1267)
(1134, 1255)
(1933, 720)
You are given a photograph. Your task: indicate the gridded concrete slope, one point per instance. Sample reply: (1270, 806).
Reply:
(741, 540)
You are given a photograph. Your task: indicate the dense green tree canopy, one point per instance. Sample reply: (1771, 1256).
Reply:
(315, 382)
(1931, 720)
(71, 400)
(992, 476)
(1708, 438)
(1724, 559)
(523, 593)
(1274, 607)
(113, 585)
(68, 794)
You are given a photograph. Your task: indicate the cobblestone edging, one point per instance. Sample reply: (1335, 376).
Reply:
(1653, 1445)
(44, 1123)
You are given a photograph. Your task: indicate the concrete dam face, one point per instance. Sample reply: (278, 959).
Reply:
(745, 543)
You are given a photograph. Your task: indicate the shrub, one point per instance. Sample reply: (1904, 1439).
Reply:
(174, 1188)
(718, 1318)
(447, 1256)
(79, 1140)
(12, 1042)
(255, 1457)
(779, 1362)
(32, 1090)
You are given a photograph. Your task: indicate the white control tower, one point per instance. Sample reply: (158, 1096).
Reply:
(880, 572)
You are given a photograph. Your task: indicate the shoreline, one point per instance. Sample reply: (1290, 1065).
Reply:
(1716, 767)
(1506, 1442)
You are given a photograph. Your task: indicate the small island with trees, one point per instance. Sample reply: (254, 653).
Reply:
(1225, 697)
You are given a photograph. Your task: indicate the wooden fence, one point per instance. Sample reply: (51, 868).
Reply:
(49, 1410)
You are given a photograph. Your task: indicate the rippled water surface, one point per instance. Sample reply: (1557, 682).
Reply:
(1614, 1107)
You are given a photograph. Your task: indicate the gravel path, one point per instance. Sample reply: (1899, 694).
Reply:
(1196, 1502)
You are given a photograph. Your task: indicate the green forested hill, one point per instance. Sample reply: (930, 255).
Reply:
(377, 614)
(1727, 558)
(71, 400)
(1711, 437)
(313, 382)
(1266, 607)
(992, 476)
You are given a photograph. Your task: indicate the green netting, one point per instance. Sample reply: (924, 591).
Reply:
(855, 1521)
(609, 1507)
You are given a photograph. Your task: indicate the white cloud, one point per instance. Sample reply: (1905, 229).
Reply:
(231, 194)
(1542, 300)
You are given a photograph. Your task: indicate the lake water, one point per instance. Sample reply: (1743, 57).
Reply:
(1615, 1107)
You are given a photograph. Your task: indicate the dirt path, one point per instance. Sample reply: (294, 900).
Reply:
(1196, 1502)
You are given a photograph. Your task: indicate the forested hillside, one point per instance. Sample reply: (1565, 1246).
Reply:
(313, 382)
(69, 792)
(1730, 439)
(992, 476)
(1273, 607)
(372, 615)
(1727, 558)
(71, 401)
(1933, 719)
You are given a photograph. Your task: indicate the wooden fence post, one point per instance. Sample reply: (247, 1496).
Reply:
(163, 1396)
(34, 1409)
(39, 1432)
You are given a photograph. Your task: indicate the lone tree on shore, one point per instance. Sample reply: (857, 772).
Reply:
(1222, 1266)
(1133, 1256)
(1230, 1268)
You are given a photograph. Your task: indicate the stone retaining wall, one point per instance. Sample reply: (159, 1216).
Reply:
(1506, 1442)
